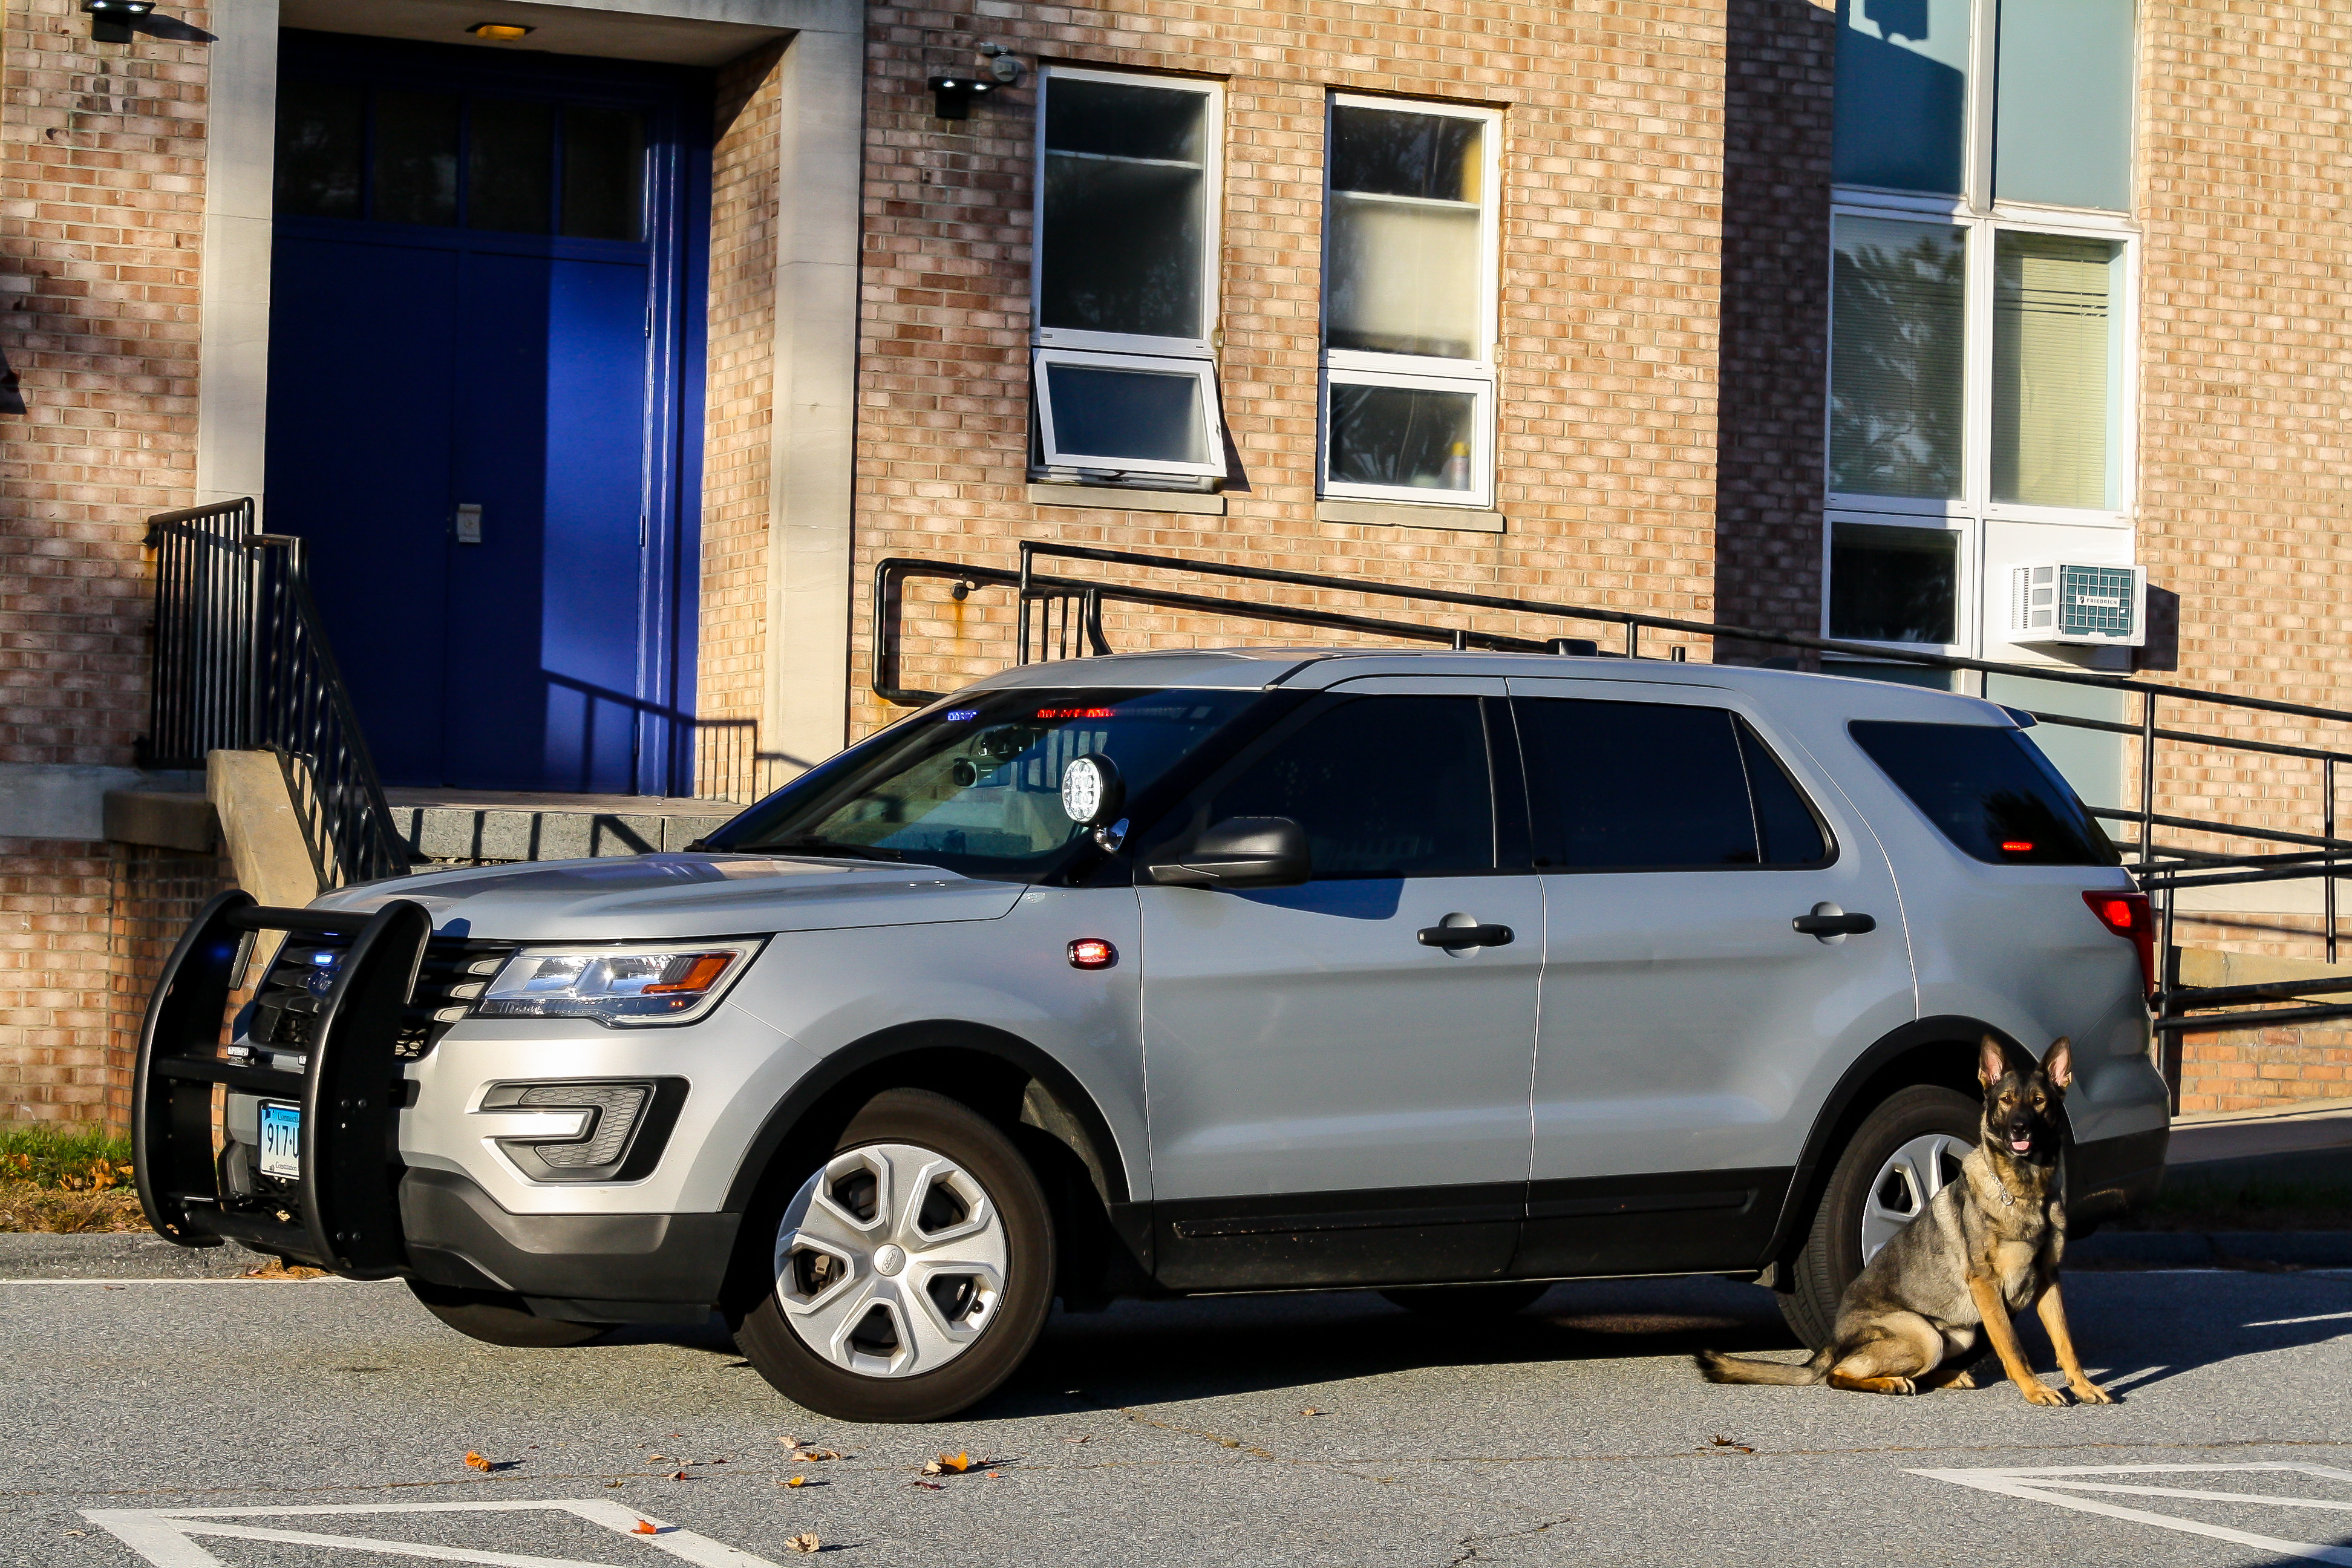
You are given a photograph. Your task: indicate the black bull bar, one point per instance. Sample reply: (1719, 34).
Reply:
(343, 1214)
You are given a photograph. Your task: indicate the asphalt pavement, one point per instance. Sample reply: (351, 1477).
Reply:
(311, 1416)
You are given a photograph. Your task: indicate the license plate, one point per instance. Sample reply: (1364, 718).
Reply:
(282, 1140)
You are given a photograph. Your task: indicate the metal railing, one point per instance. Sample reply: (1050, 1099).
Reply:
(242, 664)
(1061, 618)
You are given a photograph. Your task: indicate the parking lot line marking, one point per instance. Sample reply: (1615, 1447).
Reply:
(2286, 1322)
(2051, 1484)
(166, 1537)
(222, 1280)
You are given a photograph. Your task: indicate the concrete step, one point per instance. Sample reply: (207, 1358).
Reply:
(495, 825)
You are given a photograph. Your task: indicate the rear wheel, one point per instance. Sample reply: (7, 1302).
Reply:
(1904, 1151)
(497, 1320)
(909, 1273)
(1499, 1298)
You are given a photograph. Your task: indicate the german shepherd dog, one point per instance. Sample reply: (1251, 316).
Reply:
(1986, 1246)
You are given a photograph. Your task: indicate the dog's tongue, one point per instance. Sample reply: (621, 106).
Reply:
(2023, 1145)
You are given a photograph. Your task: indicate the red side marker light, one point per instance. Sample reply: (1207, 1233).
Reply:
(2128, 916)
(2017, 846)
(1092, 953)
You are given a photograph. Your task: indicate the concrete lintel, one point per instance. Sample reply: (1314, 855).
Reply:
(461, 833)
(1404, 514)
(165, 819)
(1117, 498)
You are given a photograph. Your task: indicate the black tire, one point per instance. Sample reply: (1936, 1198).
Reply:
(497, 1320)
(933, 1122)
(1499, 1299)
(1832, 1256)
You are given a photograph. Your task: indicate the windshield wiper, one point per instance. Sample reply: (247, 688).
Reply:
(839, 852)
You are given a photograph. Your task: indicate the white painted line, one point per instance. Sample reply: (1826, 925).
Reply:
(214, 1280)
(2285, 1322)
(166, 1537)
(2054, 1485)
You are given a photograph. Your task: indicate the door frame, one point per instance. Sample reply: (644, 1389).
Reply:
(677, 102)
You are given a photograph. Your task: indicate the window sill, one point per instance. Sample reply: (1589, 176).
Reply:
(1404, 514)
(1111, 498)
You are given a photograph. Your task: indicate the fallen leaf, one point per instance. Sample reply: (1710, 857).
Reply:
(1088, 1439)
(475, 1461)
(957, 1463)
(927, 1486)
(808, 1542)
(790, 1442)
(797, 1481)
(646, 1527)
(818, 1456)
(1311, 1410)
(681, 1476)
(657, 1456)
(995, 1477)
(615, 1483)
(1720, 1441)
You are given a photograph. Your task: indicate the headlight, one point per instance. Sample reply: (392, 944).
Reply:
(671, 982)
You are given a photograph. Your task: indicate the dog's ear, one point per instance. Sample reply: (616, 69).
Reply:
(2058, 1065)
(1991, 1062)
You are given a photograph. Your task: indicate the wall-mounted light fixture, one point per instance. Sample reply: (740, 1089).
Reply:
(109, 20)
(500, 32)
(951, 95)
(1000, 63)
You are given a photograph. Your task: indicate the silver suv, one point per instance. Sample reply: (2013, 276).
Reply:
(1445, 975)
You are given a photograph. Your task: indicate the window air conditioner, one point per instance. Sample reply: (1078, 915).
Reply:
(2077, 604)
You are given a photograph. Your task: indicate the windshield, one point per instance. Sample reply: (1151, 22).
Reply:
(977, 787)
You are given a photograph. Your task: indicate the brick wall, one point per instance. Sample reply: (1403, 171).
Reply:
(740, 417)
(1612, 211)
(101, 171)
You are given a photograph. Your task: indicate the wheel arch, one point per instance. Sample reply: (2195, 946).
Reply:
(998, 1074)
(1940, 1050)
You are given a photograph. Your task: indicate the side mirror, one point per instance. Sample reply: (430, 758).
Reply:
(1239, 852)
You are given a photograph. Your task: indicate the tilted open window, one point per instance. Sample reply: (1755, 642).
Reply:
(1124, 285)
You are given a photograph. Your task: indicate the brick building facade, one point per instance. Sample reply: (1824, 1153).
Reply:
(862, 375)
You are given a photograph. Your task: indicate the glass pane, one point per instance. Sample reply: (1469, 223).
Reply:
(603, 174)
(1147, 416)
(1402, 248)
(1894, 584)
(978, 787)
(1790, 832)
(2057, 367)
(2061, 122)
(1385, 786)
(1896, 339)
(1901, 94)
(1407, 437)
(1124, 215)
(1629, 787)
(1989, 791)
(319, 142)
(416, 158)
(510, 166)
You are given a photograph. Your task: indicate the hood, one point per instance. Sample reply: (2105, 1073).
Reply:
(655, 897)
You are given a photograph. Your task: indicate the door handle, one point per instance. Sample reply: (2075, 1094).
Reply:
(1451, 937)
(1828, 921)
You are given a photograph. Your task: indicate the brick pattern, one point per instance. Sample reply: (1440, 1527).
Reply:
(1612, 192)
(738, 421)
(56, 966)
(2251, 1070)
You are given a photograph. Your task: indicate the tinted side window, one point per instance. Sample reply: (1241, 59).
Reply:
(1385, 786)
(1635, 785)
(1792, 834)
(1990, 791)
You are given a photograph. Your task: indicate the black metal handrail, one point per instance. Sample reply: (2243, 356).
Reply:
(242, 663)
(1048, 608)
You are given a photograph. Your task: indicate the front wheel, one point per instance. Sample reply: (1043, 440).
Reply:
(1902, 1155)
(910, 1275)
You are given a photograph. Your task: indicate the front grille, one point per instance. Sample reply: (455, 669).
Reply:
(455, 972)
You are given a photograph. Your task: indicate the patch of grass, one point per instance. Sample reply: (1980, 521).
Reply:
(25, 1206)
(64, 1160)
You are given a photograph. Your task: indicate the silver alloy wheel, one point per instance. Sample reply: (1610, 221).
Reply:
(890, 1261)
(1912, 1174)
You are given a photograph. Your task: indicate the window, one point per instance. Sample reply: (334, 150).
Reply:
(1649, 786)
(1981, 301)
(1385, 786)
(1990, 791)
(1124, 280)
(1409, 323)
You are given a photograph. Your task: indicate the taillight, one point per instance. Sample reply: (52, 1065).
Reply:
(2128, 916)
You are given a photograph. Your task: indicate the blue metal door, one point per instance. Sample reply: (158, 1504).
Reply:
(480, 390)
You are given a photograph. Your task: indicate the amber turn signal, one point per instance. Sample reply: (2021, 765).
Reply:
(1092, 953)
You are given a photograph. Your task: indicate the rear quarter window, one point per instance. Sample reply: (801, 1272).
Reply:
(1990, 791)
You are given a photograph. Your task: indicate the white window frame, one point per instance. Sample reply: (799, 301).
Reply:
(1357, 367)
(1964, 578)
(1979, 233)
(1203, 374)
(1212, 228)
